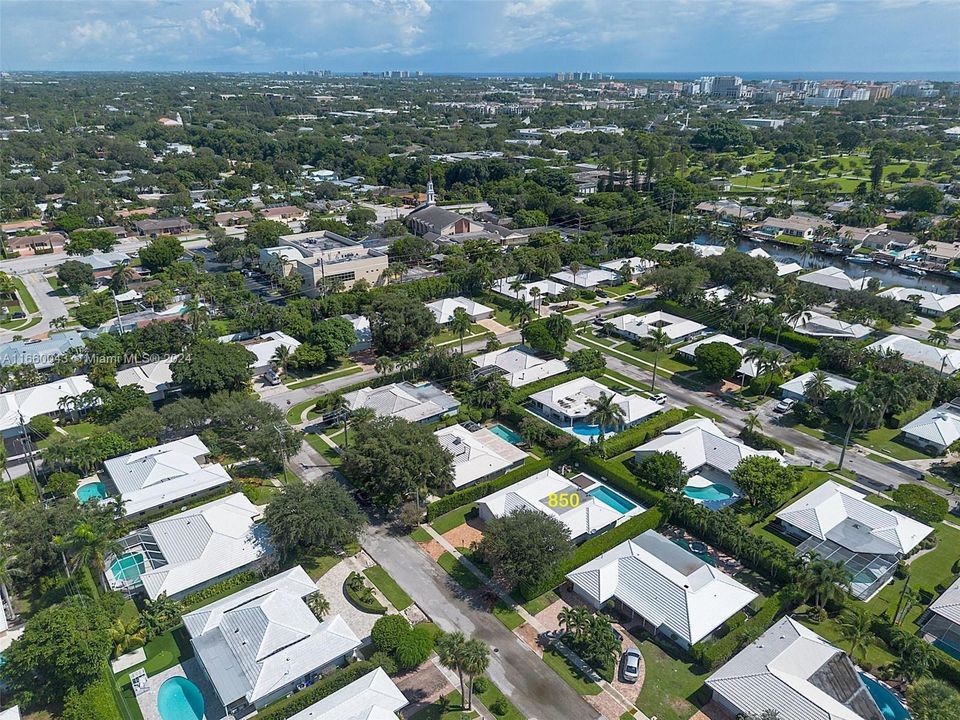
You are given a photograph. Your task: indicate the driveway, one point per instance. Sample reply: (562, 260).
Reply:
(331, 585)
(533, 687)
(49, 305)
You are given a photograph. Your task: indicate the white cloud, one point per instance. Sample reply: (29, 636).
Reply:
(94, 31)
(230, 15)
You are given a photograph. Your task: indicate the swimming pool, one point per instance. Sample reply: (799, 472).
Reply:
(506, 433)
(705, 555)
(611, 499)
(946, 647)
(91, 491)
(712, 492)
(180, 699)
(587, 430)
(887, 702)
(127, 568)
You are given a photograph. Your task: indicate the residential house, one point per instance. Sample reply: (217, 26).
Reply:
(264, 642)
(570, 404)
(361, 328)
(187, 552)
(748, 368)
(794, 671)
(783, 268)
(889, 240)
(478, 453)
(19, 406)
(423, 403)
(324, 259)
(371, 697)
(943, 360)
(672, 591)
(936, 430)
(264, 347)
(163, 475)
(518, 365)
(637, 265)
(941, 623)
(41, 354)
(13, 713)
(44, 243)
(444, 309)
(940, 253)
(546, 289)
(796, 388)
(165, 226)
(795, 226)
(834, 279)
(155, 379)
(926, 302)
(639, 327)
(838, 524)
(727, 209)
(237, 218)
(284, 213)
(818, 325)
(582, 503)
(696, 248)
(587, 277)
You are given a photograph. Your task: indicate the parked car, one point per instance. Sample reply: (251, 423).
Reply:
(784, 405)
(630, 665)
(19, 315)
(602, 294)
(628, 298)
(272, 377)
(659, 399)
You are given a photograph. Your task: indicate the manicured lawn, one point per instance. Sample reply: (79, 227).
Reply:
(883, 440)
(507, 615)
(876, 655)
(318, 565)
(333, 375)
(389, 587)
(539, 604)
(29, 304)
(295, 411)
(452, 519)
(321, 447)
(420, 535)
(667, 361)
(446, 335)
(492, 696)
(163, 652)
(435, 711)
(668, 685)
(570, 674)
(466, 579)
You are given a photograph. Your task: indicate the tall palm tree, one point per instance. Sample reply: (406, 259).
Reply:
(856, 628)
(938, 338)
(122, 275)
(916, 657)
(772, 363)
(752, 423)
(817, 389)
(575, 269)
(197, 314)
(89, 543)
(450, 649)
(889, 390)
(460, 323)
(535, 294)
(523, 312)
(857, 406)
(475, 660)
(342, 408)
(281, 357)
(829, 581)
(806, 249)
(605, 413)
(384, 365)
(658, 341)
(516, 285)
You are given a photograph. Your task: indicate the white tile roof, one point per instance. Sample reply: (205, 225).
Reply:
(533, 493)
(948, 604)
(835, 512)
(664, 583)
(163, 474)
(520, 367)
(833, 278)
(699, 250)
(930, 301)
(444, 309)
(403, 400)
(789, 668)
(586, 277)
(265, 345)
(39, 400)
(477, 455)
(10, 713)
(262, 638)
(151, 378)
(798, 385)
(700, 442)
(640, 325)
(747, 367)
(637, 264)
(920, 353)
(939, 426)
(819, 325)
(204, 543)
(546, 287)
(783, 268)
(371, 697)
(572, 399)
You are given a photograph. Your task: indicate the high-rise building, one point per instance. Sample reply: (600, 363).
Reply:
(727, 86)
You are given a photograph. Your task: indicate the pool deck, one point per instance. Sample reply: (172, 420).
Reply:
(191, 670)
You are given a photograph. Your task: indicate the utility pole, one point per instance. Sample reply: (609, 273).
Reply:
(117, 306)
(283, 452)
(27, 447)
(673, 196)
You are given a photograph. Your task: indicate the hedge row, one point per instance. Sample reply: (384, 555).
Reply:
(593, 548)
(338, 679)
(223, 588)
(525, 391)
(481, 490)
(713, 653)
(514, 414)
(614, 473)
(645, 431)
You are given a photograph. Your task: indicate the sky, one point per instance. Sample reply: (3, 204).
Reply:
(483, 36)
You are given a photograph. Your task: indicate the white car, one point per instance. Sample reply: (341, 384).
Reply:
(659, 399)
(630, 665)
(784, 405)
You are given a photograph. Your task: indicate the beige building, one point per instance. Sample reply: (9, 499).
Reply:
(324, 258)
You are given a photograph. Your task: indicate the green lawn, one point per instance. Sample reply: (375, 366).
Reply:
(453, 519)
(539, 604)
(26, 299)
(876, 655)
(321, 447)
(492, 696)
(446, 335)
(881, 439)
(163, 652)
(569, 673)
(507, 615)
(389, 587)
(420, 535)
(667, 361)
(435, 710)
(668, 685)
(466, 579)
(332, 375)
(295, 411)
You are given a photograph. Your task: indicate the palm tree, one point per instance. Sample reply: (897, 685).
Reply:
(318, 604)
(856, 628)
(938, 338)
(122, 275)
(197, 314)
(384, 365)
(916, 657)
(89, 543)
(658, 341)
(575, 269)
(605, 413)
(806, 249)
(516, 285)
(58, 323)
(475, 660)
(817, 388)
(857, 406)
(535, 294)
(889, 390)
(362, 416)
(126, 635)
(523, 312)
(752, 423)
(460, 323)
(772, 363)
(281, 357)
(342, 408)
(450, 649)
(828, 581)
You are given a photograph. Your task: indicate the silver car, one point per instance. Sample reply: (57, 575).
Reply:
(630, 665)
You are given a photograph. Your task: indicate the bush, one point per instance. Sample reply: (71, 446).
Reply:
(40, 426)
(647, 430)
(920, 503)
(713, 653)
(95, 701)
(588, 295)
(500, 707)
(586, 360)
(224, 587)
(759, 441)
(360, 594)
(592, 548)
(62, 484)
(614, 473)
(481, 685)
(384, 660)
(388, 631)
(340, 678)
(415, 647)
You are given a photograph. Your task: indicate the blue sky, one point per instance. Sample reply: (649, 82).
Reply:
(482, 35)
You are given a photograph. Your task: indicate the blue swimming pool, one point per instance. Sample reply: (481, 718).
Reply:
(712, 492)
(91, 491)
(887, 702)
(180, 699)
(610, 498)
(507, 434)
(702, 554)
(127, 568)
(947, 648)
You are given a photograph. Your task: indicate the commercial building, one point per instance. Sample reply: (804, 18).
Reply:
(324, 260)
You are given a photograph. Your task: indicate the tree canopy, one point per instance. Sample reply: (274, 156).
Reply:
(209, 366)
(525, 546)
(400, 323)
(320, 517)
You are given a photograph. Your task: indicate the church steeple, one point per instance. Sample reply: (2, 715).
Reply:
(431, 197)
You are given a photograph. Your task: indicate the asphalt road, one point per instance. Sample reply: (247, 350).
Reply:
(49, 305)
